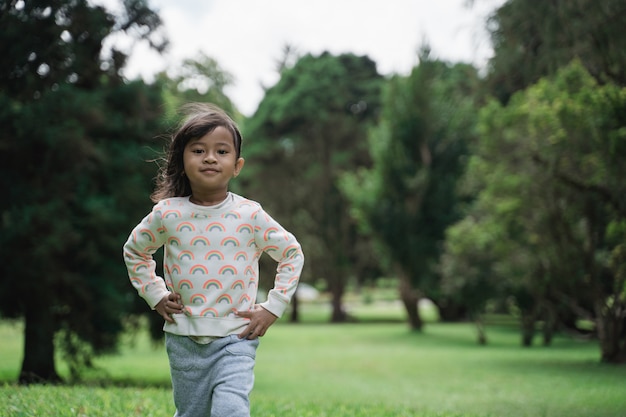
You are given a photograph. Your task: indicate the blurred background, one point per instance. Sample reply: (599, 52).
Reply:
(454, 161)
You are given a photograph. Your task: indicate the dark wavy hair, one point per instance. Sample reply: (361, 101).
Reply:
(201, 118)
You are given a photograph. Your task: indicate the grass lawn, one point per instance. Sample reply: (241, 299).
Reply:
(352, 370)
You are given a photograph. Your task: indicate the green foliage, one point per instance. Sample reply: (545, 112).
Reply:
(548, 171)
(199, 79)
(308, 130)
(408, 197)
(75, 190)
(72, 151)
(535, 39)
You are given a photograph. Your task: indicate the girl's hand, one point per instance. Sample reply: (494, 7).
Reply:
(170, 304)
(260, 321)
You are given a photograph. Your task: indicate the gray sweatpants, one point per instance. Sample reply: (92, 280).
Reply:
(212, 380)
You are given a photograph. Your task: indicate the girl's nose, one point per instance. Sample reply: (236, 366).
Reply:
(209, 157)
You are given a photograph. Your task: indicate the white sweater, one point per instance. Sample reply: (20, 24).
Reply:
(212, 260)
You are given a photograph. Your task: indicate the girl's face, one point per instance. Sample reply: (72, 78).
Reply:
(209, 163)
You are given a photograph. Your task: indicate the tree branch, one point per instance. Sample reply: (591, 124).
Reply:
(602, 192)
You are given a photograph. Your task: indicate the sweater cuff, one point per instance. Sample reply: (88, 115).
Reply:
(275, 305)
(153, 297)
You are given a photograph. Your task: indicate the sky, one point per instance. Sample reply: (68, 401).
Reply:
(247, 37)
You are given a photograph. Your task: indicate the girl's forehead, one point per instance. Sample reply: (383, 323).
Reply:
(218, 136)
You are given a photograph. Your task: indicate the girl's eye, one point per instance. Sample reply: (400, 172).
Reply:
(222, 152)
(197, 151)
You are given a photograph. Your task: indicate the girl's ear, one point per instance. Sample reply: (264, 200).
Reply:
(238, 165)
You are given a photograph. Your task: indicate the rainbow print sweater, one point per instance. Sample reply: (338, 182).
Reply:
(211, 258)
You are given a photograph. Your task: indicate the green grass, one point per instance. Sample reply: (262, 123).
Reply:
(352, 370)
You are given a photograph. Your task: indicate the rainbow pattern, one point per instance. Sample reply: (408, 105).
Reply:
(288, 268)
(161, 230)
(215, 227)
(241, 256)
(200, 240)
(228, 269)
(252, 283)
(245, 228)
(231, 215)
(199, 216)
(291, 251)
(249, 271)
(142, 266)
(238, 285)
(245, 299)
(271, 248)
(251, 243)
(214, 255)
(136, 282)
(172, 214)
(185, 256)
(212, 283)
(185, 284)
(147, 233)
(230, 240)
(198, 299)
(269, 232)
(175, 269)
(151, 249)
(185, 227)
(224, 298)
(200, 269)
(292, 280)
(209, 312)
(173, 241)
(145, 287)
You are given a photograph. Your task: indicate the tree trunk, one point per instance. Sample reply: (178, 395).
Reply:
(451, 311)
(611, 327)
(528, 328)
(38, 364)
(480, 328)
(410, 298)
(295, 312)
(549, 325)
(339, 313)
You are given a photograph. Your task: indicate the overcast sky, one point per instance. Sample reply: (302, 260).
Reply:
(247, 37)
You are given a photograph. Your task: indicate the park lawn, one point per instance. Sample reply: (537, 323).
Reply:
(359, 369)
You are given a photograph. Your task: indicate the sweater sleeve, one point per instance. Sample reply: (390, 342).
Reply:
(145, 239)
(283, 247)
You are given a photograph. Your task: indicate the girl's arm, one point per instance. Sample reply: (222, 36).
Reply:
(283, 247)
(139, 249)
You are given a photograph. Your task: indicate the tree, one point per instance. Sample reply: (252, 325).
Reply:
(199, 79)
(308, 129)
(556, 158)
(408, 197)
(535, 39)
(70, 149)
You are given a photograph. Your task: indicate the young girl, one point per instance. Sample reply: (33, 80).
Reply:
(213, 240)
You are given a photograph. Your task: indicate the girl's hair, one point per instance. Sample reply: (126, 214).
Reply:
(200, 119)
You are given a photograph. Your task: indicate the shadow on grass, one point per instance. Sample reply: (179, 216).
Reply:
(98, 383)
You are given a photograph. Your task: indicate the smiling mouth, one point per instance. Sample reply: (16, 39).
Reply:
(209, 170)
